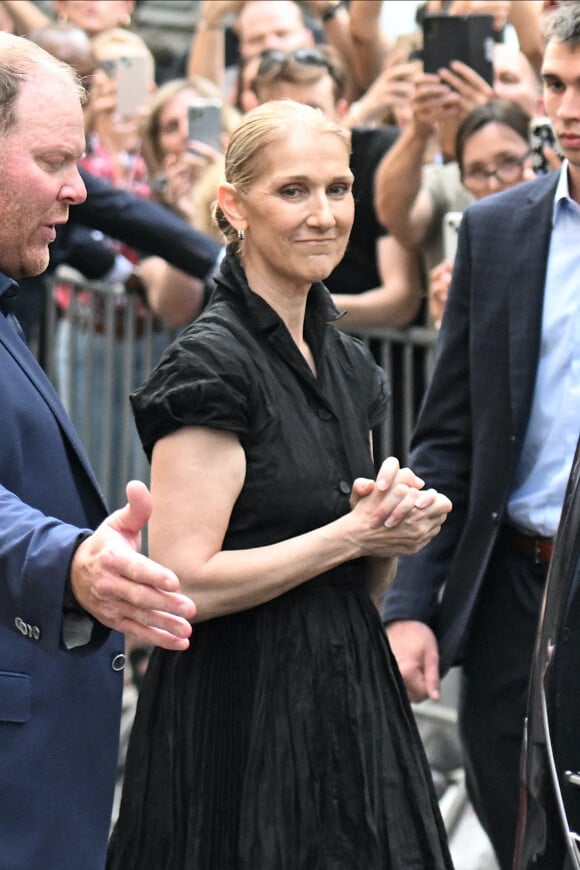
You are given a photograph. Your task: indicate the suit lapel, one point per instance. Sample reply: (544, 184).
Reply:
(528, 250)
(21, 354)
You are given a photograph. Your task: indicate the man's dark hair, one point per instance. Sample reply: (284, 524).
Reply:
(563, 24)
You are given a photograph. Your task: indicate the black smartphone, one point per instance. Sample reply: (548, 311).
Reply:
(468, 38)
(204, 120)
(542, 133)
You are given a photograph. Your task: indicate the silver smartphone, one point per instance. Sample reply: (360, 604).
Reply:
(204, 121)
(132, 78)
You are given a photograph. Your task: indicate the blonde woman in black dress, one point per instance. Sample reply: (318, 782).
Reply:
(283, 739)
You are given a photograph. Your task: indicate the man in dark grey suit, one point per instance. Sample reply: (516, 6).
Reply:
(71, 578)
(497, 432)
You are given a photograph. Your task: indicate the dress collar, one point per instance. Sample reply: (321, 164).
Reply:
(231, 279)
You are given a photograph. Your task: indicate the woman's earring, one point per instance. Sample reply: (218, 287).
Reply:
(241, 235)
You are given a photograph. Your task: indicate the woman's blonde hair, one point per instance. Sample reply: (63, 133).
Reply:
(261, 127)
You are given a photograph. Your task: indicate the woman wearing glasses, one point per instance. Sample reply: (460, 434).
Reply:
(283, 739)
(493, 154)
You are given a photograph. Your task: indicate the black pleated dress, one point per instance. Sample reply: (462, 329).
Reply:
(282, 739)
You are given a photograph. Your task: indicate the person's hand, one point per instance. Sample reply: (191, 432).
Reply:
(439, 282)
(432, 102)
(415, 648)
(212, 13)
(125, 590)
(499, 9)
(182, 172)
(473, 90)
(102, 100)
(395, 515)
(391, 90)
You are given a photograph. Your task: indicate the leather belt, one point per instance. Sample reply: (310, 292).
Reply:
(534, 547)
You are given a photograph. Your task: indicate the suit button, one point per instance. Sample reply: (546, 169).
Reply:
(21, 626)
(325, 414)
(118, 662)
(344, 487)
(26, 629)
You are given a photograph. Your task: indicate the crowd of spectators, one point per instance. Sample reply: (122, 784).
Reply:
(403, 121)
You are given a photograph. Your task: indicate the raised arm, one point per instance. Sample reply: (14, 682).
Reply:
(396, 302)
(207, 53)
(27, 16)
(370, 44)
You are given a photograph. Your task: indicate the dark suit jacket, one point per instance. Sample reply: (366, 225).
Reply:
(59, 709)
(144, 225)
(472, 424)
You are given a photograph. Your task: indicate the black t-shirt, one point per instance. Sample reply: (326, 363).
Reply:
(358, 270)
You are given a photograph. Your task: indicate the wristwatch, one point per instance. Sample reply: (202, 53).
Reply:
(330, 11)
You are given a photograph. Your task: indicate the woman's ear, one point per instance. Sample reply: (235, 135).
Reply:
(229, 202)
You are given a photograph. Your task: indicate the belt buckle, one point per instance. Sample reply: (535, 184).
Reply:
(537, 551)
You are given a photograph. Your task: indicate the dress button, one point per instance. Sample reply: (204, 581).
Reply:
(324, 414)
(118, 662)
(344, 487)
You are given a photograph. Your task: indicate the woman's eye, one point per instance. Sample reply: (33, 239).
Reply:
(291, 192)
(339, 189)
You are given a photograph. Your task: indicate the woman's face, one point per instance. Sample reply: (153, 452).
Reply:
(172, 125)
(94, 16)
(492, 149)
(298, 213)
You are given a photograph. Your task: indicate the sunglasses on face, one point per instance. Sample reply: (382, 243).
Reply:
(273, 58)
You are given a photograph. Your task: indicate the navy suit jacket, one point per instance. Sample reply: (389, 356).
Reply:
(59, 709)
(475, 412)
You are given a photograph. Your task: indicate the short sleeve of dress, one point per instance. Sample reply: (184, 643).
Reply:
(200, 381)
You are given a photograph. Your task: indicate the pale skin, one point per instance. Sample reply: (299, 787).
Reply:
(413, 643)
(38, 160)
(296, 216)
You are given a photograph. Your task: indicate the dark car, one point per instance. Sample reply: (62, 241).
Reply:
(549, 825)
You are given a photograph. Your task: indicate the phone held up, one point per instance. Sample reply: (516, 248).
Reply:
(468, 38)
(204, 120)
(542, 133)
(131, 74)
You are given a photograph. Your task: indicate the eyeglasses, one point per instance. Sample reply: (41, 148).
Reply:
(508, 171)
(273, 57)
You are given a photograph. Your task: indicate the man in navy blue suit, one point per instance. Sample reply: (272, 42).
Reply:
(497, 433)
(71, 578)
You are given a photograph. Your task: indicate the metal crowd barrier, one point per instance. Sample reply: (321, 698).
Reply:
(101, 343)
